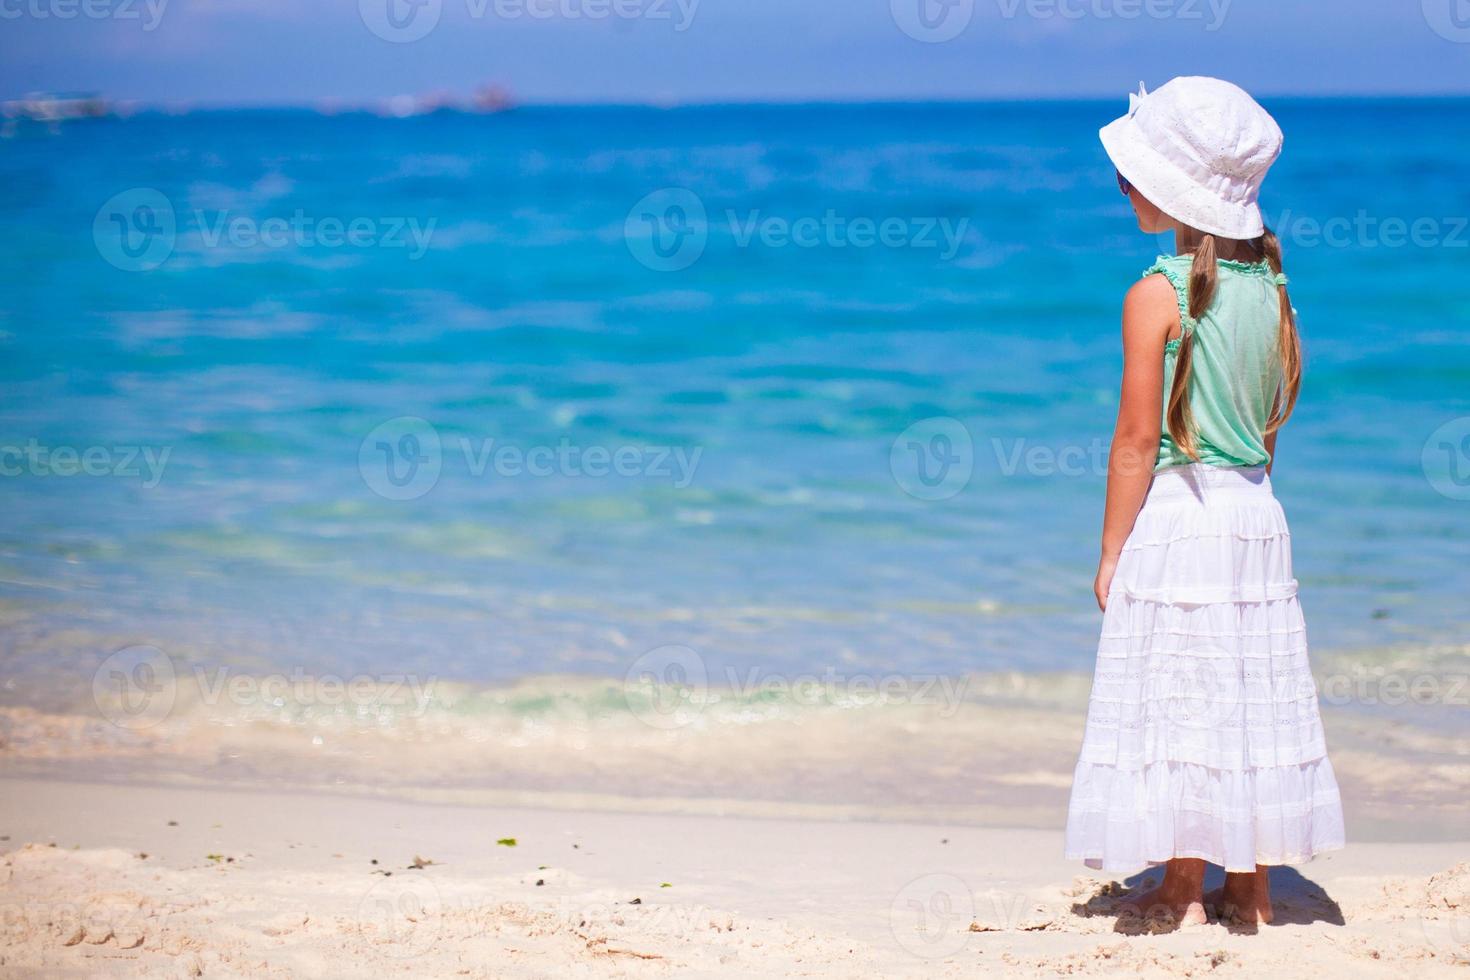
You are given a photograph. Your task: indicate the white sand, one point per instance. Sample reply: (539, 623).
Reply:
(292, 892)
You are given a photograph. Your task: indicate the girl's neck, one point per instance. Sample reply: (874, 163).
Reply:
(1186, 240)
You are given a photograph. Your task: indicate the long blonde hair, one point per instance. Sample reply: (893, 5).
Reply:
(1204, 279)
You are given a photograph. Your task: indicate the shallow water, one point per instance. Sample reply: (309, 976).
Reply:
(681, 433)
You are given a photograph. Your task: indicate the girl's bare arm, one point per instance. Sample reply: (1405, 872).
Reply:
(1150, 316)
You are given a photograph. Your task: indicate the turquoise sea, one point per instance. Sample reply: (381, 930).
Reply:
(488, 398)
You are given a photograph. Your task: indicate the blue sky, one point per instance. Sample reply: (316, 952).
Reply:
(253, 52)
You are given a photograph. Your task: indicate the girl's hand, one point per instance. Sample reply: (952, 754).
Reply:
(1104, 581)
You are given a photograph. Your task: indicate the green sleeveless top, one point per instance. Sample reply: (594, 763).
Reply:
(1235, 365)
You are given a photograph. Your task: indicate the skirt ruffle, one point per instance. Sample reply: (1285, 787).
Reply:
(1203, 733)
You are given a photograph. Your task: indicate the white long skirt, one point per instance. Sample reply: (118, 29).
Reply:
(1203, 734)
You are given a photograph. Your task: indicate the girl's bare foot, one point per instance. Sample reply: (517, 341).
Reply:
(1180, 896)
(1245, 899)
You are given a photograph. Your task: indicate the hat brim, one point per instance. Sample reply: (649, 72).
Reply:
(1172, 190)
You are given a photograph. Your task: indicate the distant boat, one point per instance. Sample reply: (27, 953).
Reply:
(484, 100)
(493, 98)
(50, 110)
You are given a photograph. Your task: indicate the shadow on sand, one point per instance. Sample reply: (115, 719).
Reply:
(1295, 899)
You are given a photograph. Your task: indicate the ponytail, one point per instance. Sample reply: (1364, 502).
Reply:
(1290, 342)
(1204, 280)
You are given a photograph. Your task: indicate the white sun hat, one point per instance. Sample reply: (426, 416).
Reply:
(1199, 149)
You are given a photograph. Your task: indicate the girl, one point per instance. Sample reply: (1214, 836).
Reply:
(1203, 739)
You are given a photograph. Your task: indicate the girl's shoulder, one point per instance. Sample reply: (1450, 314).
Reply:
(1170, 265)
(1177, 268)
(1174, 269)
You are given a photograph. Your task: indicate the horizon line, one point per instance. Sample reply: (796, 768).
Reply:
(338, 104)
